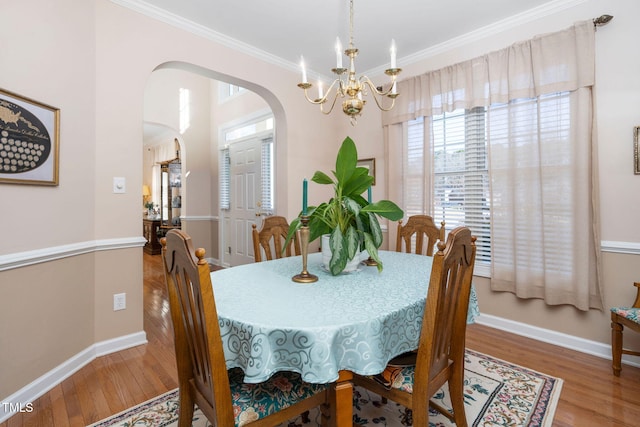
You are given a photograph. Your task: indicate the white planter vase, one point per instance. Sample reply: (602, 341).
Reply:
(326, 257)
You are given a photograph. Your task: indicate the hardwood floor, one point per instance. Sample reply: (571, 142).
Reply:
(591, 395)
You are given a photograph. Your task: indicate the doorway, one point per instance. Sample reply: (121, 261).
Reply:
(215, 122)
(246, 170)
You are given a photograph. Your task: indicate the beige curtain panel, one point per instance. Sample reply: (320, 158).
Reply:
(562, 61)
(541, 147)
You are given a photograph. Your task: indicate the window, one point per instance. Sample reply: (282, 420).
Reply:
(227, 91)
(249, 129)
(516, 161)
(266, 195)
(225, 179)
(456, 157)
(246, 130)
(533, 213)
(454, 164)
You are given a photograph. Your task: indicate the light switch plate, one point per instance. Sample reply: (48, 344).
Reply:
(119, 184)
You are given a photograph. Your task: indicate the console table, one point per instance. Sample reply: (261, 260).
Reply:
(150, 229)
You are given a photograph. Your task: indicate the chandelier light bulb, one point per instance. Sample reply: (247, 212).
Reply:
(393, 52)
(304, 70)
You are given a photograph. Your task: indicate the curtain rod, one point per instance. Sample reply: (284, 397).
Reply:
(602, 20)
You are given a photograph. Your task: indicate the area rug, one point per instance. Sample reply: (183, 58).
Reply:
(497, 393)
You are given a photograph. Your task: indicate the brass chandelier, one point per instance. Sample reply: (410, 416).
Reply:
(349, 87)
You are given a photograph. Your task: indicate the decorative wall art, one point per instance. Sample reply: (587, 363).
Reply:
(369, 164)
(636, 153)
(29, 141)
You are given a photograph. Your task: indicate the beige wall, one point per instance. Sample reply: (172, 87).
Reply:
(94, 60)
(46, 317)
(47, 310)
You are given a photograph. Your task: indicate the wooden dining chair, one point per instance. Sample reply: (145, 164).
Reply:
(203, 378)
(411, 379)
(621, 317)
(419, 226)
(271, 239)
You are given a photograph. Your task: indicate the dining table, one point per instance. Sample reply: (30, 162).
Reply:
(326, 330)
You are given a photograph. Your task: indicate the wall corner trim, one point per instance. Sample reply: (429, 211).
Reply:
(46, 382)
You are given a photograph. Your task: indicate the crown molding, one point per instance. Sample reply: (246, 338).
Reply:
(200, 30)
(509, 23)
(177, 21)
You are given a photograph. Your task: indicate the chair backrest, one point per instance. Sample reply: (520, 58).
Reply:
(271, 239)
(420, 226)
(442, 337)
(199, 353)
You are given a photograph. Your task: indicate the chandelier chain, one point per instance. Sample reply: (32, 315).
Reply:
(351, 24)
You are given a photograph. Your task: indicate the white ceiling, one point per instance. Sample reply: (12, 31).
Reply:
(286, 29)
(280, 31)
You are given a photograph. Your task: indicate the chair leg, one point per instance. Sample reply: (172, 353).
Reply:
(420, 416)
(186, 409)
(456, 392)
(616, 347)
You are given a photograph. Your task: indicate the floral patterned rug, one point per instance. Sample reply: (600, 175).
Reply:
(497, 393)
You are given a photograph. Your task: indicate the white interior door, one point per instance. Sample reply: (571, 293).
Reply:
(245, 194)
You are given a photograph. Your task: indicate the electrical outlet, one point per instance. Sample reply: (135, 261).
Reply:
(119, 302)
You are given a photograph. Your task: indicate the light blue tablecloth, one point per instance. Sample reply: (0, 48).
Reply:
(357, 321)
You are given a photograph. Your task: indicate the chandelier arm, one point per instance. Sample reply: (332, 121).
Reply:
(393, 102)
(372, 87)
(307, 86)
(333, 104)
(381, 94)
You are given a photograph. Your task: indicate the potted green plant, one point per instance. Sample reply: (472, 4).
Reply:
(349, 219)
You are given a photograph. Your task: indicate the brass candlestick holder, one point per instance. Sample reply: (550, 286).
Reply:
(304, 276)
(370, 262)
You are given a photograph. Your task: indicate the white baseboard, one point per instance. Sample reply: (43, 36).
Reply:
(553, 337)
(213, 261)
(29, 393)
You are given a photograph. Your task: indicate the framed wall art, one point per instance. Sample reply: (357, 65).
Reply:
(29, 141)
(636, 154)
(369, 164)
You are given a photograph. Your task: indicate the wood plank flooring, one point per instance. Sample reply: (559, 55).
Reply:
(591, 395)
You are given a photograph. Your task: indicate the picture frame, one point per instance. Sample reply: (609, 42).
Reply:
(636, 154)
(29, 141)
(369, 164)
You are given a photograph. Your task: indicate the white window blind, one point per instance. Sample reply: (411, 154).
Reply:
(225, 179)
(415, 202)
(456, 158)
(267, 176)
(546, 119)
